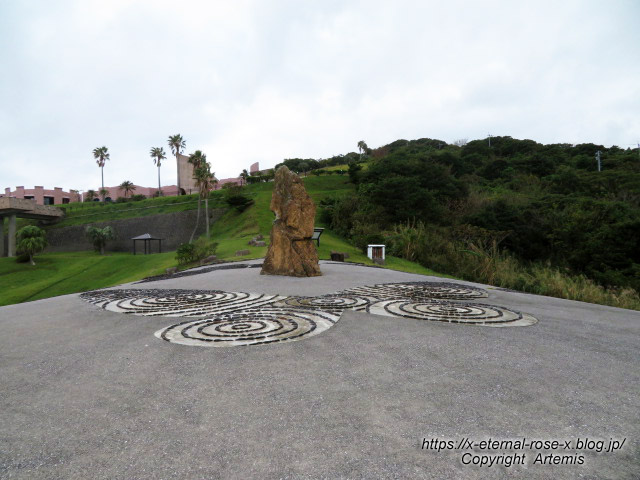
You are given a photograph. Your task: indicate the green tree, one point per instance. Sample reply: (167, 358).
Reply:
(103, 192)
(100, 236)
(205, 180)
(90, 195)
(127, 187)
(31, 240)
(244, 175)
(177, 145)
(101, 154)
(157, 153)
(362, 146)
(196, 159)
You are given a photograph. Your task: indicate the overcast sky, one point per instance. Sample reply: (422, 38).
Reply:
(248, 81)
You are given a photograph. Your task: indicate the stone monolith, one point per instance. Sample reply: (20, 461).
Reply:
(291, 251)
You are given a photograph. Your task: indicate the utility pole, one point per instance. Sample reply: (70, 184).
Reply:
(598, 159)
(489, 139)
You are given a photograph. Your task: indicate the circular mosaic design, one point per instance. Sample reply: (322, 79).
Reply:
(264, 326)
(179, 303)
(327, 302)
(420, 290)
(472, 313)
(237, 318)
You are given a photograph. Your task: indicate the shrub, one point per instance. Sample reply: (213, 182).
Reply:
(185, 253)
(100, 236)
(234, 197)
(138, 197)
(194, 252)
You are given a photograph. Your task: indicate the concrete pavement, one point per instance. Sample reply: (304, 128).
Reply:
(88, 393)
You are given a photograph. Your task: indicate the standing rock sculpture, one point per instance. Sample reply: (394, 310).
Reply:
(291, 251)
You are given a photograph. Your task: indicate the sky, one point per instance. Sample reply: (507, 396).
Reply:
(261, 81)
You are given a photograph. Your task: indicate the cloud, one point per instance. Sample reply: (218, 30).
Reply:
(262, 81)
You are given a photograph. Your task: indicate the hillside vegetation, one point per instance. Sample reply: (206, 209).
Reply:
(517, 214)
(63, 273)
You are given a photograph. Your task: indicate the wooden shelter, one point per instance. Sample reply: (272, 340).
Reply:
(146, 239)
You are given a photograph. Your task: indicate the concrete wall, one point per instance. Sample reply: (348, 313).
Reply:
(173, 228)
(185, 174)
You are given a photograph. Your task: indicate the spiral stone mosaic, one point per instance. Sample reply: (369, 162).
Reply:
(252, 327)
(473, 313)
(177, 303)
(420, 290)
(235, 318)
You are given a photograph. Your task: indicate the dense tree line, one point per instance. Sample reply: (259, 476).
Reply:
(543, 203)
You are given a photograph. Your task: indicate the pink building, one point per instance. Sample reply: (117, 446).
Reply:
(57, 196)
(43, 196)
(115, 192)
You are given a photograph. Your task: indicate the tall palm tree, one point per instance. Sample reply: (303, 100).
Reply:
(101, 154)
(196, 159)
(177, 145)
(127, 186)
(205, 180)
(362, 147)
(157, 153)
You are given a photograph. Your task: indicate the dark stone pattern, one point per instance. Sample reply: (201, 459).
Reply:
(250, 327)
(177, 303)
(445, 311)
(236, 318)
(174, 228)
(420, 290)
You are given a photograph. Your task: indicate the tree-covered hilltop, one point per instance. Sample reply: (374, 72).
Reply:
(447, 205)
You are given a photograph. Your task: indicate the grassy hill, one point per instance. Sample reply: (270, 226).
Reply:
(63, 273)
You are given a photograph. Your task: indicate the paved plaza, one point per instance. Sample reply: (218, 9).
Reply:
(360, 373)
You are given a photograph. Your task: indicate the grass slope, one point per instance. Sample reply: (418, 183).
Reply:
(234, 230)
(90, 212)
(63, 273)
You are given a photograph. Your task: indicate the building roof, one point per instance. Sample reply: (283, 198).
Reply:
(145, 236)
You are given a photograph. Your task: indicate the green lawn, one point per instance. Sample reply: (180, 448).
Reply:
(63, 273)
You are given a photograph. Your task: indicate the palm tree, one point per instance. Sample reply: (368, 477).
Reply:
(101, 154)
(157, 153)
(127, 186)
(196, 159)
(244, 175)
(100, 236)
(31, 240)
(362, 147)
(177, 144)
(205, 180)
(103, 192)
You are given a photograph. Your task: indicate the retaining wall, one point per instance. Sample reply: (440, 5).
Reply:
(174, 229)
